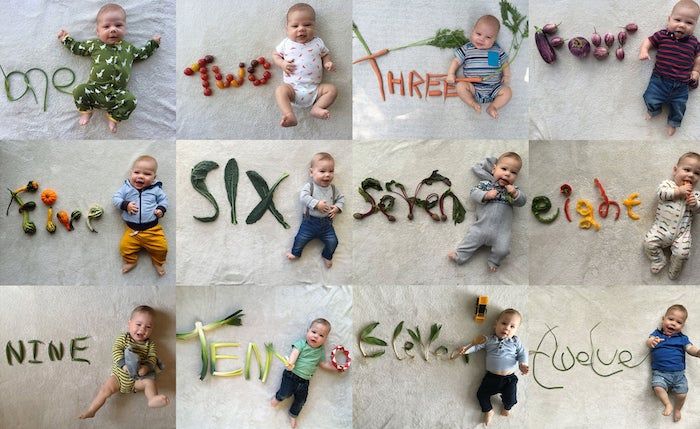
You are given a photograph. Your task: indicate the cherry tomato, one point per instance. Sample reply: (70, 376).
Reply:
(203, 69)
(254, 63)
(202, 62)
(256, 82)
(267, 75)
(204, 76)
(215, 69)
(207, 91)
(262, 60)
(226, 83)
(189, 71)
(205, 84)
(218, 76)
(195, 67)
(229, 77)
(266, 66)
(220, 84)
(209, 59)
(251, 77)
(263, 81)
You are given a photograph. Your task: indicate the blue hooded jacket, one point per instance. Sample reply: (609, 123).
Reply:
(147, 199)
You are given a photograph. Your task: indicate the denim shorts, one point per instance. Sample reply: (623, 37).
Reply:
(673, 381)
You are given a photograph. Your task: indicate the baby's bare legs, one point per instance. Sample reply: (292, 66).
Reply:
(151, 391)
(465, 91)
(503, 97)
(284, 95)
(85, 117)
(663, 397)
(326, 97)
(680, 400)
(110, 387)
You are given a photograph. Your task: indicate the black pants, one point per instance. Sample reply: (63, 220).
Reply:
(292, 384)
(506, 385)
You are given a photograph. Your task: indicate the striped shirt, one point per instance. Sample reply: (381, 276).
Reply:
(674, 57)
(475, 62)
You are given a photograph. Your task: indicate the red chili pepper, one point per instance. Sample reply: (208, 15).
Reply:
(566, 190)
(604, 207)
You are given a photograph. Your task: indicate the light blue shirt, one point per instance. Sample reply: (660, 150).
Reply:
(502, 355)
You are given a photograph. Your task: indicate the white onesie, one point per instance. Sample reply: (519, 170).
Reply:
(309, 68)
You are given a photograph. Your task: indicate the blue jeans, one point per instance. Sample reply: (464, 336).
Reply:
(316, 227)
(674, 381)
(292, 384)
(662, 90)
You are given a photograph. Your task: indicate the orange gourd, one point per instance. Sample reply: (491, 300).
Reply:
(49, 197)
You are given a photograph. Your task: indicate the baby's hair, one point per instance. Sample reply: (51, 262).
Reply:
(143, 309)
(146, 158)
(687, 3)
(511, 155)
(321, 321)
(321, 156)
(694, 155)
(302, 7)
(490, 20)
(509, 312)
(108, 7)
(677, 307)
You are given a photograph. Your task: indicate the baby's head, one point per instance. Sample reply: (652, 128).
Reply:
(674, 319)
(301, 23)
(683, 17)
(507, 168)
(485, 32)
(111, 23)
(318, 331)
(143, 172)
(687, 169)
(322, 169)
(141, 323)
(507, 323)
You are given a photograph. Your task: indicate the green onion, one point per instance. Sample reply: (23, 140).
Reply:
(215, 356)
(233, 319)
(203, 344)
(397, 332)
(366, 338)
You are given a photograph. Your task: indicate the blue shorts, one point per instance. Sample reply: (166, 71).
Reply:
(673, 381)
(486, 92)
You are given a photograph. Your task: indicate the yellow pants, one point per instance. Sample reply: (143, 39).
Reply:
(152, 239)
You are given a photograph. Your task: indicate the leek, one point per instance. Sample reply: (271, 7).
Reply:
(234, 320)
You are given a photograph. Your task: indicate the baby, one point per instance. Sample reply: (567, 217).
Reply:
(677, 64)
(674, 216)
(483, 57)
(112, 58)
(322, 202)
(307, 354)
(495, 196)
(668, 348)
(142, 203)
(504, 352)
(137, 343)
(302, 57)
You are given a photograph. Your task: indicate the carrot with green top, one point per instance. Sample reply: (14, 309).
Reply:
(443, 39)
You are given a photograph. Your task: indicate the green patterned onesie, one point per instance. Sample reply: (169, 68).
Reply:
(147, 356)
(111, 68)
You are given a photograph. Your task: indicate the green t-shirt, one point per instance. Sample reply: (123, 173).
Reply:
(308, 359)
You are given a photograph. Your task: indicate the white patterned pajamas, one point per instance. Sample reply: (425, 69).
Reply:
(307, 57)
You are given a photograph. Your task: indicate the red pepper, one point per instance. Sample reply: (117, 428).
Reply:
(604, 207)
(566, 190)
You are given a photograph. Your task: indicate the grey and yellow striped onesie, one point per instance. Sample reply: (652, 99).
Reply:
(147, 357)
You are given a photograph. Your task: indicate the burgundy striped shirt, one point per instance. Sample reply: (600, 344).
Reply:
(674, 57)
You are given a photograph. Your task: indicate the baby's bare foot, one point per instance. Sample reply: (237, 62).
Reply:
(112, 125)
(670, 131)
(288, 120)
(293, 422)
(668, 409)
(452, 256)
(474, 105)
(85, 117)
(676, 415)
(127, 267)
(274, 402)
(160, 269)
(493, 112)
(327, 262)
(492, 269)
(291, 257)
(320, 113)
(505, 412)
(487, 417)
(87, 415)
(648, 116)
(158, 401)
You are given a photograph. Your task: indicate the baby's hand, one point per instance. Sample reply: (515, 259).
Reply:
(334, 210)
(288, 67)
(654, 341)
(143, 370)
(524, 369)
(644, 55)
(493, 193)
(132, 208)
(451, 78)
(691, 200)
(329, 66)
(511, 190)
(156, 38)
(289, 366)
(158, 213)
(62, 34)
(323, 206)
(685, 189)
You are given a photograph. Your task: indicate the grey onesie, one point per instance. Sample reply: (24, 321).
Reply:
(494, 218)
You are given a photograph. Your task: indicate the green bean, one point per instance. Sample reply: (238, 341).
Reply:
(59, 88)
(46, 88)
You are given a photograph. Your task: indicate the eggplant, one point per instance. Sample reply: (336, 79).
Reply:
(579, 47)
(544, 47)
